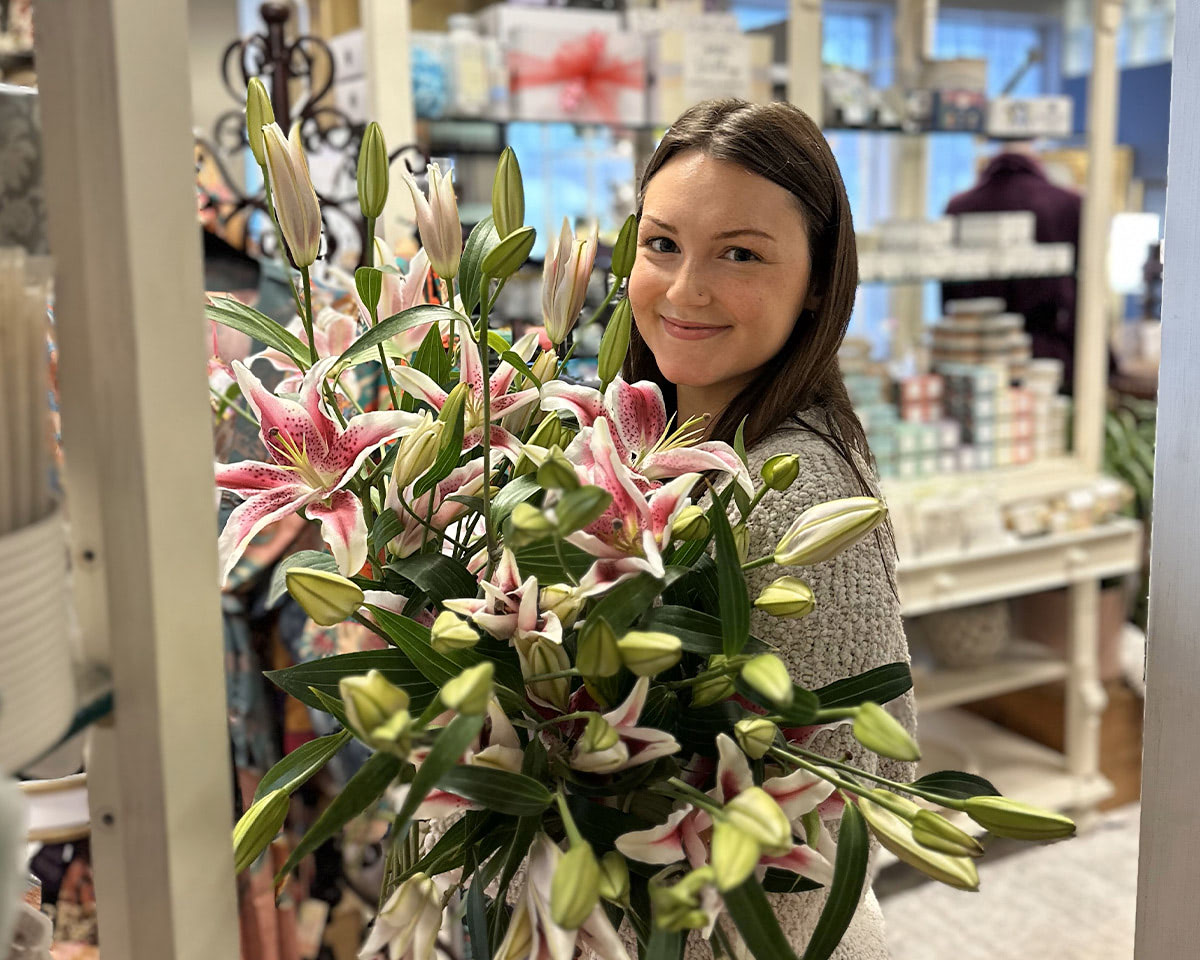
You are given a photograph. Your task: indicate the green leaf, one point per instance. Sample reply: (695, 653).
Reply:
(627, 601)
(325, 673)
(750, 911)
(535, 766)
(332, 705)
(601, 825)
(369, 283)
(849, 875)
(539, 560)
(480, 243)
(512, 493)
(879, 685)
(445, 753)
(363, 789)
(664, 945)
(698, 632)
(699, 726)
(447, 458)
(498, 343)
(387, 526)
(438, 575)
(364, 348)
(578, 508)
(238, 316)
(309, 559)
(739, 443)
(733, 598)
(413, 641)
(799, 713)
(514, 360)
(956, 785)
(498, 790)
(431, 357)
(661, 709)
(477, 921)
(784, 881)
(295, 769)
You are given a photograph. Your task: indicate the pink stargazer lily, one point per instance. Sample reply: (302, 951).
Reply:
(637, 418)
(502, 402)
(636, 745)
(400, 292)
(465, 481)
(333, 333)
(312, 458)
(498, 610)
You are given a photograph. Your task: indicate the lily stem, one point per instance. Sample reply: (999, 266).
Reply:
(486, 390)
(837, 781)
(546, 724)
(557, 675)
(307, 315)
(370, 625)
(233, 406)
(760, 562)
(905, 787)
(387, 373)
(612, 292)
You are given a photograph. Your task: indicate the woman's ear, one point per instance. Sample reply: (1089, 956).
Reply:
(812, 303)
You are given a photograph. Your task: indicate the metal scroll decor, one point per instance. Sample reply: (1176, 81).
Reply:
(331, 139)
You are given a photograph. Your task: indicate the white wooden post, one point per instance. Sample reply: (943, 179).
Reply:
(804, 56)
(1168, 923)
(116, 115)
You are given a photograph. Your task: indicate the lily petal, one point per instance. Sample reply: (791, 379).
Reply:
(344, 528)
(805, 861)
(637, 412)
(799, 792)
(419, 385)
(733, 770)
(363, 434)
(251, 516)
(248, 477)
(584, 403)
(661, 844)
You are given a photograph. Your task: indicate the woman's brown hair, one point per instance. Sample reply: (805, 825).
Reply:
(782, 143)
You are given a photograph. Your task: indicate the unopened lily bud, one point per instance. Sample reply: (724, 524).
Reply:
(768, 675)
(614, 877)
(880, 732)
(900, 805)
(568, 265)
(625, 249)
(575, 889)
(557, 472)
(470, 691)
(755, 735)
(756, 814)
(451, 632)
(781, 471)
(372, 172)
(826, 529)
(529, 524)
(437, 220)
(377, 711)
(690, 524)
(1003, 817)
(741, 540)
(599, 734)
(507, 257)
(543, 368)
(326, 597)
(259, 113)
(787, 598)
(451, 411)
(296, 206)
(549, 431)
(418, 451)
(545, 656)
(734, 856)
(614, 345)
(648, 652)
(896, 835)
(713, 689)
(259, 826)
(597, 654)
(508, 195)
(563, 601)
(676, 908)
(934, 831)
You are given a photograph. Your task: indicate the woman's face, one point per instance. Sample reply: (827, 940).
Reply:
(721, 273)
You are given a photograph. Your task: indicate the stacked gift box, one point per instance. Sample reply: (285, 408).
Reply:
(979, 332)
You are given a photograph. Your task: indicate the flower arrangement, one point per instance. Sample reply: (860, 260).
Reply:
(570, 684)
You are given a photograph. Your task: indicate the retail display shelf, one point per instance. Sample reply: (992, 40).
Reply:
(1023, 664)
(971, 276)
(1006, 484)
(949, 580)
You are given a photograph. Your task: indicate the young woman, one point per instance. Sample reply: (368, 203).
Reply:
(741, 291)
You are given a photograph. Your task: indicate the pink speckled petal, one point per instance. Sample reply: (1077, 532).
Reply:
(637, 413)
(583, 403)
(503, 442)
(419, 385)
(512, 402)
(274, 414)
(697, 459)
(312, 399)
(470, 367)
(363, 434)
(666, 502)
(260, 511)
(248, 477)
(344, 528)
(503, 377)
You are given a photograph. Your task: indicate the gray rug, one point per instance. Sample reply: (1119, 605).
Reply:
(1068, 901)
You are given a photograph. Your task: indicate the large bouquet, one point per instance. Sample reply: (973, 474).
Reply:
(570, 687)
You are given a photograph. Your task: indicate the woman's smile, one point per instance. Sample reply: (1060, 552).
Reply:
(687, 330)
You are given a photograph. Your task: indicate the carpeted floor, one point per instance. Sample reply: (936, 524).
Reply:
(1069, 901)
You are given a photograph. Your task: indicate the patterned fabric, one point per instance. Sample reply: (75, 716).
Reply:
(22, 204)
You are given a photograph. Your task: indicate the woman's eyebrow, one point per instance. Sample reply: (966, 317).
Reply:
(723, 235)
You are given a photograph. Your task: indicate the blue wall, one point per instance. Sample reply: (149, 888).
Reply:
(1144, 113)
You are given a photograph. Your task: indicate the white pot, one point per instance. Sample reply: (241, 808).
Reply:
(37, 686)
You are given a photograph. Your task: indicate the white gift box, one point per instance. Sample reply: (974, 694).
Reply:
(501, 20)
(697, 63)
(1050, 116)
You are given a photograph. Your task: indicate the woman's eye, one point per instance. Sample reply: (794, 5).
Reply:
(741, 255)
(660, 245)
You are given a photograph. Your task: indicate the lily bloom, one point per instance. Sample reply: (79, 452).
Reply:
(437, 220)
(641, 435)
(565, 277)
(464, 481)
(296, 206)
(312, 458)
(498, 610)
(533, 934)
(333, 332)
(409, 922)
(502, 402)
(635, 745)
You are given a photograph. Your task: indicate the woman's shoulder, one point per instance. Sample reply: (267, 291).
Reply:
(828, 469)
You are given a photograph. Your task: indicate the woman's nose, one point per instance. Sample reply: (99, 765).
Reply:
(688, 287)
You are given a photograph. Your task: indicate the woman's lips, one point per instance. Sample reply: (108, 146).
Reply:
(690, 331)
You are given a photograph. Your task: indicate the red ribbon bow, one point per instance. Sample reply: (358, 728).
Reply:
(590, 76)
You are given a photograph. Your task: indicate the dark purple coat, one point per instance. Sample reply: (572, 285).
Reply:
(1014, 181)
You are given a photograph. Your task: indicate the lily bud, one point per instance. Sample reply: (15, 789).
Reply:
(545, 656)
(418, 451)
(557, 472)
(896, 836)
(826, 529)
(575, 889)
(648, 652)
(1003, 817)
(508, 195)
(625, 249)
(756, 814)
(787, 598)
(563, 601)
(568, 266)
(934, 831)
(897, 803)
(451, 632)
(470, 692)
(258, 826)
(755, 735)
(296, 206)
(598, 654)
(614, 877)
(676, 908)
(690, 524)
(543, 368)
(451, 410)
(325, 596)
(259, 113)
(372, 172)
(880, 732)
(529, 524)
(506, 258)
(599, 734)
(377, 711)
(714, 689)
(614, 345)
(768, 675)
(741, 540)
(781, 471)
(734, 855)
(437, 220)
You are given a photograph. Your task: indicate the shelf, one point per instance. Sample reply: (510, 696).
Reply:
(1041, 478)
(946, 581)
(961, 278)
(1023, 664)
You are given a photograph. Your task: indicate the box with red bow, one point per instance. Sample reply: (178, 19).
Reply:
(595, 77)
